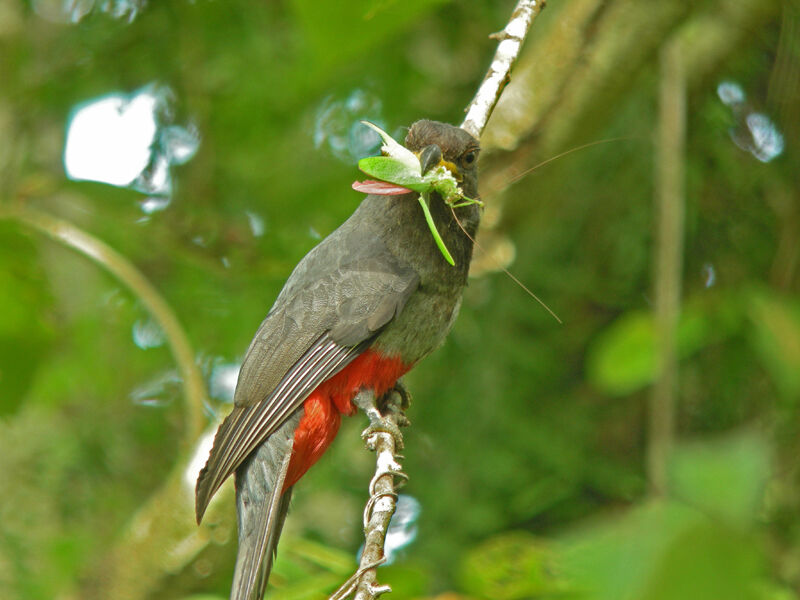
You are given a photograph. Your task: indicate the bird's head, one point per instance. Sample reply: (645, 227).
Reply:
(443, 144)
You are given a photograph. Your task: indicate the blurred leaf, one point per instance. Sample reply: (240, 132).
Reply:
(706, 561)
(408, 580)
(332, 559)
(511, 566)
(776, 325)
(725, 477)
(768, 590)
(309, 569)
(311, 587)
(24, 302)
(336, 31)
(661, 550)
(622, 358)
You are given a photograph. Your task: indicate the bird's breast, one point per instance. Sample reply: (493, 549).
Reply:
(323, 408)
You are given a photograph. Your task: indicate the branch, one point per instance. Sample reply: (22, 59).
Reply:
(384, 438)
(670, 175)
(499, 74)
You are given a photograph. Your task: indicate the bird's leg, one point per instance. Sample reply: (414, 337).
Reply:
(405, 395)
(396, 402)
(386, 419)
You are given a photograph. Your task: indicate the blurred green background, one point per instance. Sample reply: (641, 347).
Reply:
(527, 452)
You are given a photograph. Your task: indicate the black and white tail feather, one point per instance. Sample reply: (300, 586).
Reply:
(260, 525)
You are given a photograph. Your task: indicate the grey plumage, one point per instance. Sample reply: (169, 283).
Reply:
(260, 522)
(378, 282)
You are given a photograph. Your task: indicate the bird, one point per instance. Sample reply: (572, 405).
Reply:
(359, 311)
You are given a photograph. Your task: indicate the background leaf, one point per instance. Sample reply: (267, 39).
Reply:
(527, 452)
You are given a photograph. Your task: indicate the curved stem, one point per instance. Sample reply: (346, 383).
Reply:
(125, 271)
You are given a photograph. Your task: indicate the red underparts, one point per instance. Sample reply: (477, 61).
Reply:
(331, 399)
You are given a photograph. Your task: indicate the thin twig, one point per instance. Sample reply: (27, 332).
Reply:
(499, 74)
(363, 584)
(119, 266)
(668, 257)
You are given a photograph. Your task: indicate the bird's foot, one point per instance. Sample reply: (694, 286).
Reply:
(400, 395)
(389, 420)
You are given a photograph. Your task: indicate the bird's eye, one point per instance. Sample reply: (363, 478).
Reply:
(470, 157)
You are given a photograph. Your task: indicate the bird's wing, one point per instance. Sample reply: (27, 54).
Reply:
(305, 340)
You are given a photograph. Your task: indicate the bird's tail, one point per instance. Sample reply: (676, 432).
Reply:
(262, 510)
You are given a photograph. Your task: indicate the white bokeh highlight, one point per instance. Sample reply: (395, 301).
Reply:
(110, 140)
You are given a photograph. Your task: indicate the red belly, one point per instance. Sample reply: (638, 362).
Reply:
(324, 406)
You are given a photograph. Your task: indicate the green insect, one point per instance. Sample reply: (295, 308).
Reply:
(399, 171)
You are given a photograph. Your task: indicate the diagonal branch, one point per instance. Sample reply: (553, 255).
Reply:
(162, 535)
(499, 74)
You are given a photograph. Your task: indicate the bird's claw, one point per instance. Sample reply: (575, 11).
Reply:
(389, 419)
(381, 424)
(405, 396)
(395, 402)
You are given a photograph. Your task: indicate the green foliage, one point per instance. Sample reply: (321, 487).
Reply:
(622, 359)
(528, 439)
(25, 327)
(512, 566)
(305, 569)
(699, 546)
(776, 334)
(724, 478)
(337, 32)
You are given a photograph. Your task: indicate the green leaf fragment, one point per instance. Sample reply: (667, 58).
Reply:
(394, 171)
(432, 226)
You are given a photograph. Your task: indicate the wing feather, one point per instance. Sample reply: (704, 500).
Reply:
(322, 320)
(247, 426)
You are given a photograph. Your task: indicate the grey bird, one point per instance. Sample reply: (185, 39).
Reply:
(359, 310)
